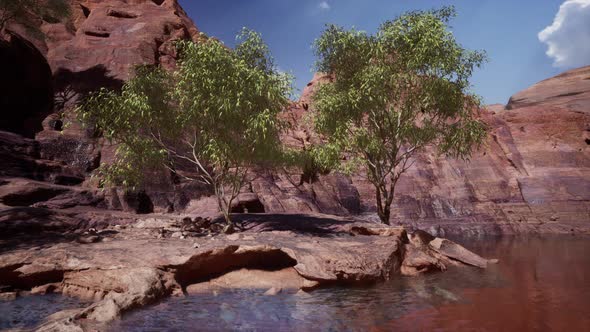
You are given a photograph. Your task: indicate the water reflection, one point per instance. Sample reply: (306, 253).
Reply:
(28, 311)
(540, 284)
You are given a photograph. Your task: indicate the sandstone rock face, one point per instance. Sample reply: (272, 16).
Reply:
(112, 37)
(100, 48)
(530, 176)
(569, 90)
(296, 190)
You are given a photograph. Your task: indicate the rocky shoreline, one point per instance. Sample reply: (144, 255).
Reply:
(124, 267)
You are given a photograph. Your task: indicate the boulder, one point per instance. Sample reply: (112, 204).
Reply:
(27, 192)
(417, 260)
(457, 252)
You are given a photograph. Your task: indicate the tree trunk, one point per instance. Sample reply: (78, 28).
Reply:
(384, 212)
(229, 227)
(382, 196)
(225, 209)
(383, 205)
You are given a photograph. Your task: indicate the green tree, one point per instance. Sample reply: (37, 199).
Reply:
(393, 94)
(23, 12)
(217, 112)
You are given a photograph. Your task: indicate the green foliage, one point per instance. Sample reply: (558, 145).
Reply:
(24, 12)
(394, 93)
(217, 112)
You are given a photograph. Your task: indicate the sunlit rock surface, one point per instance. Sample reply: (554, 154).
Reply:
(532, 175)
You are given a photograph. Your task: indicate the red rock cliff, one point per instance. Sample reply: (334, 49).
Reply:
(532, 175)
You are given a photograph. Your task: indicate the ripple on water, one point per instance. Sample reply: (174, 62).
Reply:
(29, 311)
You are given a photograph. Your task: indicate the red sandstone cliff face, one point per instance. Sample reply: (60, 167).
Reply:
(532, 175)
(117, 35)
(570, 90)
(98, 47)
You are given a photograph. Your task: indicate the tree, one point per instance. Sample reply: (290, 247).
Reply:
(216, 112)
(23, 12)
(393, 94)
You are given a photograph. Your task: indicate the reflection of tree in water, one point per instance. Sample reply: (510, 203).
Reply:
(345, 308)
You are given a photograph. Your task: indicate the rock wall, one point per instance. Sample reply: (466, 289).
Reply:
(99, 46)
(532, 175)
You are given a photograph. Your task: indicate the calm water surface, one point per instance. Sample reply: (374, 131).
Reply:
(29, 311)
(540, 284)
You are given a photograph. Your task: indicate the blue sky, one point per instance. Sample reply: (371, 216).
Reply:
(507, 29)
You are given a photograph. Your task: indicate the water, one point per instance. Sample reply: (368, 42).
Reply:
(540, 284)
(29, 311)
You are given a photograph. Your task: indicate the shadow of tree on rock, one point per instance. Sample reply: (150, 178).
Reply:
(71, 86)
(302, 224)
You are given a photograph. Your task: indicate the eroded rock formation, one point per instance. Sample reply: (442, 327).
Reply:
(129, 265)
(569, 90)
(99, 46)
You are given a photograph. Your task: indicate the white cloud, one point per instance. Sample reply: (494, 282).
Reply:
(324, 5)
(568, 38)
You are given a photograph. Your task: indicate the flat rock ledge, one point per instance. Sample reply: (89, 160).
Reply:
(133, 266)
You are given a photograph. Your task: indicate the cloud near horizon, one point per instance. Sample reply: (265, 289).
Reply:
(568, 37)
(324, 5)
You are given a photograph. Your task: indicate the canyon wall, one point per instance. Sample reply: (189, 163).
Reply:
(98, 46)
(532, 175)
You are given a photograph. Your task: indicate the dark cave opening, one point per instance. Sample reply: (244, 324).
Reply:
(120, 14)
(85, 10)
(206, 267)
(249, 206)
(27, 87)
(99, 34)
